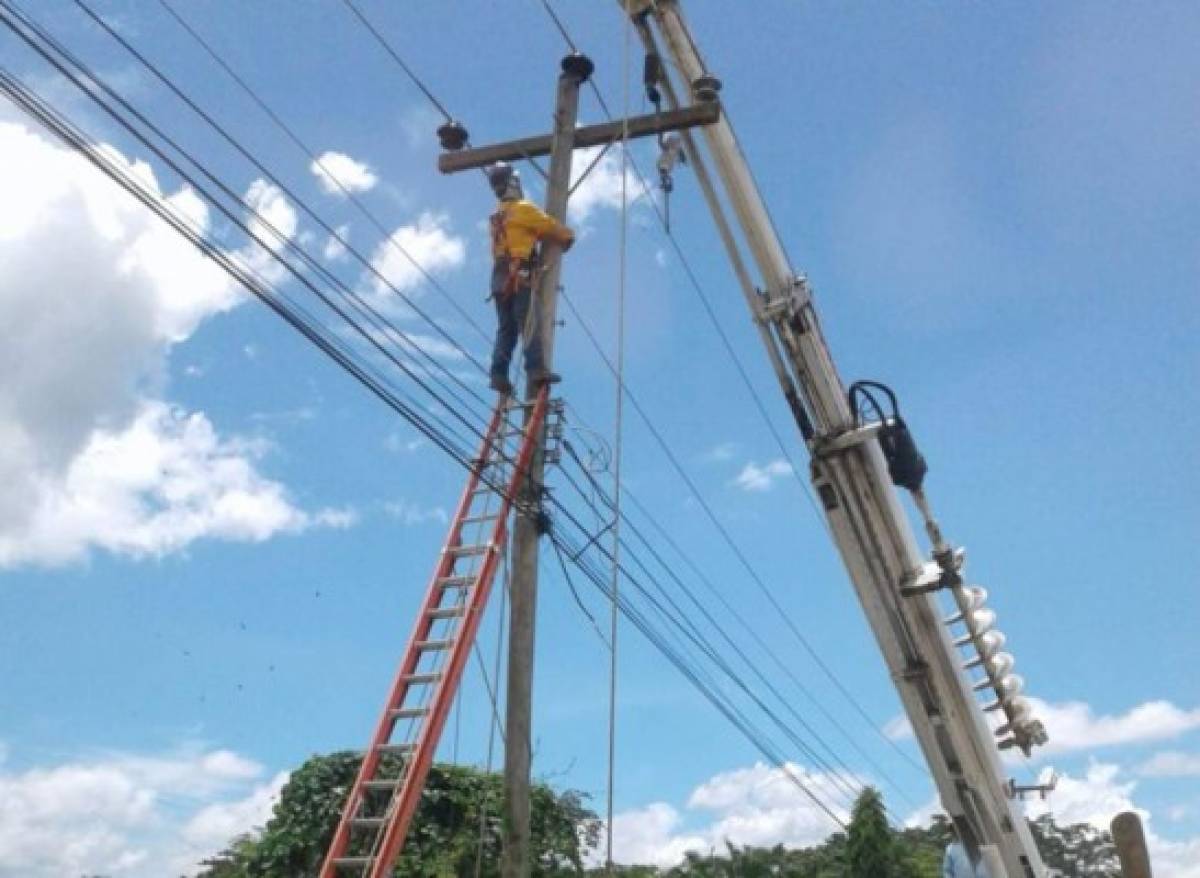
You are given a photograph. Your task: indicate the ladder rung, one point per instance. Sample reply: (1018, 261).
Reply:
(421, 679)
(368, 822)
(409, 712)
(448, 612)
(382, 784)
(456, 581)
(433, 645)
(352, 862)
(397, 749)
(466, 551)
(476, 519)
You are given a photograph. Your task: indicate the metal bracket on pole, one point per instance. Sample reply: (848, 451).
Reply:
(1015, 790)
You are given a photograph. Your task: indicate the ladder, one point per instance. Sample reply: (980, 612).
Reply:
(387, 790)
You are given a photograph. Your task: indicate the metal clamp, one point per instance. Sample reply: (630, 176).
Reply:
(555, 426)
(835, 443)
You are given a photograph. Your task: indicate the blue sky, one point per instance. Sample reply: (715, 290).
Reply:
(215, 542)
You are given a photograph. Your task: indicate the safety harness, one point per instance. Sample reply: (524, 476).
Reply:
(520, 272)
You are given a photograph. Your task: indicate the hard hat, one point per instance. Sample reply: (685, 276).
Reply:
(504, 179)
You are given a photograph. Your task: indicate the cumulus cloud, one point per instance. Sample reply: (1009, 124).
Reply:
(1098, 796)
(601, 188)
(1074, 726)
(427, 242)
(161, 483)
(762, 478)
(1171, 763)
(84, 347)
(1095, 798)
(760, 805)
(129, 815)
(273, 220)
(651, 835)
(338, 174)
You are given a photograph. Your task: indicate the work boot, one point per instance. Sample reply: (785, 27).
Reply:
(501, 385)
(538, 377)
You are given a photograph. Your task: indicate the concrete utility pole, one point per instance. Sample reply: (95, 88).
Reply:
(529, 526)
(1130, 842)
(531, 521)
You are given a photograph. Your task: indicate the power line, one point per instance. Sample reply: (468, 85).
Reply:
(353, 198)
(353, 299)
(257, 286)
(737, 718)
(709, 310)
(848, 785)
(237, 222)
(391, 51)
(210, 197)
(221, 130)
(416, 80)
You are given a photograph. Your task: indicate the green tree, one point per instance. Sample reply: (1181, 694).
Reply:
(1077, 849)
(870, 852)
(443, 841)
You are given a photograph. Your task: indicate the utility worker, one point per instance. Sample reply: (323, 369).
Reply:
(517, 226)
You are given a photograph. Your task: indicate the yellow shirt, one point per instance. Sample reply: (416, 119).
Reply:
(518, 225)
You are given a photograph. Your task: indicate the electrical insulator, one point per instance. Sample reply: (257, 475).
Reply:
(1019, 729)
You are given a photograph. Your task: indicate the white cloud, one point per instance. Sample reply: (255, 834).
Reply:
(601, 188)
(760, 805)
(1174, 859)
(1099, 796)
(273, 221)
(334, 168)
(898, 728)
(761, 478)
(334, 248)
(429, 244)
(1171, 763)
(1095, 798)
(161, 483)
(211, 828)
(721, 452)
(84, 347)
(396, 443)
(411, 513)
(651, 836)
(129, 815)
(1074, 726)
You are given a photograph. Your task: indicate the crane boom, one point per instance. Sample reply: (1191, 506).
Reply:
(856, 467)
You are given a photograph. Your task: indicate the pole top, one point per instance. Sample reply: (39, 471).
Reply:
(578, 65)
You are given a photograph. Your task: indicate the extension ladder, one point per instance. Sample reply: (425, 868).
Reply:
(386, 792)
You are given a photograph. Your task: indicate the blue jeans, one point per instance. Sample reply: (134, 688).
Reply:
(512, 312)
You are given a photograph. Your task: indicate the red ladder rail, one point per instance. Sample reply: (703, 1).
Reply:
(379, 809)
